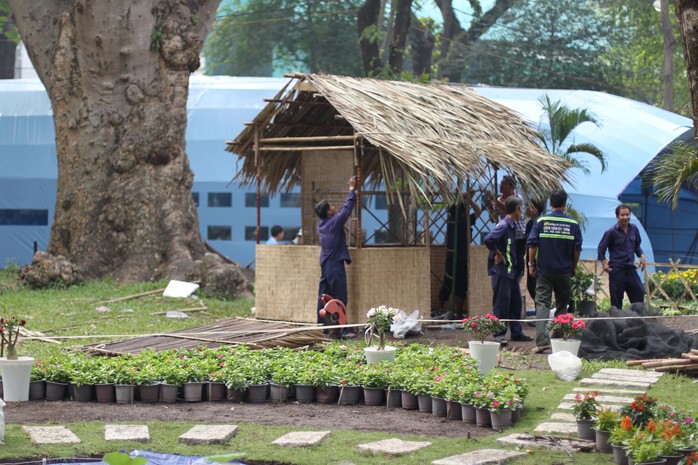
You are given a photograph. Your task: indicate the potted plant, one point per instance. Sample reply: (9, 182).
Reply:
(57, 377)
(606, 421)
(584, 410)
(379, 321)
(375, 379)
(501, 406)
(583, 294)
(671, 440)
(567, 328)
(485, 352)
(620, 435)
(643, 447)
(16, 371)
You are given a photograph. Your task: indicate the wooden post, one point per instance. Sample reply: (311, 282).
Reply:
(259, 183)
(357, 166)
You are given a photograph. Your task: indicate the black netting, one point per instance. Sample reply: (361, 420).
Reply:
(633, 339)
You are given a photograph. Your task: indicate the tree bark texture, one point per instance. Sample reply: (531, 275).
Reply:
(687, 15)
(422, 42)
(403, 17)
(117, 74)
(370, 52)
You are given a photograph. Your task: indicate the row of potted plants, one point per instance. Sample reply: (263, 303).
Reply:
(645, 431)
(444, 373)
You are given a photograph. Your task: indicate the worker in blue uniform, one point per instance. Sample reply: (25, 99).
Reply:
(334, 252)
(622, 241)
(554, 246)
(502, 267)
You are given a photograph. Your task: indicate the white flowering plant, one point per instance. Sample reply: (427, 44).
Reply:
(379, 321)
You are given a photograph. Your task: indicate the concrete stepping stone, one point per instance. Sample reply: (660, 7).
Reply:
(209, 434)
(570, 405)
(549, 443)
(602, 398)
(633, 392)
(138, 433)
(634, 379)
(632, 373)
(563, 417)
(480, 457)
(301, 438)
(598, 382)
(392, 446)
(556, 427)
(51, 435)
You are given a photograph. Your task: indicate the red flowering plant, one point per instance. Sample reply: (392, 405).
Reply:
(691, 459)
(481, 326)
(641, 410)
(566, 326)
(585, 406)
(9, 330)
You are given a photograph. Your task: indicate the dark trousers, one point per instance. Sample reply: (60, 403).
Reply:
(506, 302)
(624, 279)
(333, 282)
(546, 285)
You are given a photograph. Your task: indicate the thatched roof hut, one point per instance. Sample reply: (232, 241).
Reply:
(426, 134)
(418, 143)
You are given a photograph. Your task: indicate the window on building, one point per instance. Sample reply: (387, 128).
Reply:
(251, 233)
(290, 200)
(23, 217)
(220, 199)
(220, 233)
(251, 200)
(195, 197)
(381, 202)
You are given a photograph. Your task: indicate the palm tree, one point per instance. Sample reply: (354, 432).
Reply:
(676, 169)
(562, 120)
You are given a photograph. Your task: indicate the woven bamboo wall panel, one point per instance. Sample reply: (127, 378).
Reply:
(395, 276)
(286, 282)
(479, 284)
(324, 176)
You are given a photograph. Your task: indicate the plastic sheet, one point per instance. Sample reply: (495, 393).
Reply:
(157, 458)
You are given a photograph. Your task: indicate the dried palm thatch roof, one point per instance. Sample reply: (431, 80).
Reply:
(425, 135)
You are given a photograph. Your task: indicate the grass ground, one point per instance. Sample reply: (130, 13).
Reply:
(72, 312)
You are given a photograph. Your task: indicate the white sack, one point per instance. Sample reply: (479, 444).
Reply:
(565, 365)
(403, 324)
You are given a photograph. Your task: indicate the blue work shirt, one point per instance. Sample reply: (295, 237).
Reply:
(502, 238)
(622, 247)
(558, 237)
(333, 245)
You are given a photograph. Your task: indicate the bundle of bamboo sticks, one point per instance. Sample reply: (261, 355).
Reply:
(687, 364)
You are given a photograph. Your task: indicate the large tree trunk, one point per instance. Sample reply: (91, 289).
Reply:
(687, 14)
(370, 51)
(117, 74)
(422, 41)
(403, 17)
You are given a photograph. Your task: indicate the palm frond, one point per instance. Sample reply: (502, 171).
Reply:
(592, 150)
(674, 170)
